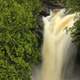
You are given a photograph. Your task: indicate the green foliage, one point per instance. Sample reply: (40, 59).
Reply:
(76, 33)
(74, 6)
(18, 40)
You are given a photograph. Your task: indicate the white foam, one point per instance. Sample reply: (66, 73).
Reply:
(58, 52)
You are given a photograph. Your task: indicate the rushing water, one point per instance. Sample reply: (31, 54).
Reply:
(58, 51)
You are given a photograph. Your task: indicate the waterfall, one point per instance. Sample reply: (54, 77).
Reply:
(58, 51)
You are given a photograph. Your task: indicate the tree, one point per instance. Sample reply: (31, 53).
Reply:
(18, 38)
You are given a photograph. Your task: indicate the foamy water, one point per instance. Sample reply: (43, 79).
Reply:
(58, 51)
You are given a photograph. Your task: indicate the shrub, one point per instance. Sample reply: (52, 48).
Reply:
(18, 39)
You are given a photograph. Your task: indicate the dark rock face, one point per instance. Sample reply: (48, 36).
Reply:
(49, 5)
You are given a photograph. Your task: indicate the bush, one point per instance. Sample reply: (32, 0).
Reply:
(18, 39)
(74, 6)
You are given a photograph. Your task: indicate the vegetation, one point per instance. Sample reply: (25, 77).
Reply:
(74, 6)
(19, 37)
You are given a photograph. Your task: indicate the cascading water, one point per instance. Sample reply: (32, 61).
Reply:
(58, 51)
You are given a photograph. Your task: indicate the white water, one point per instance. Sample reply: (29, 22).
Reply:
(58, 51)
